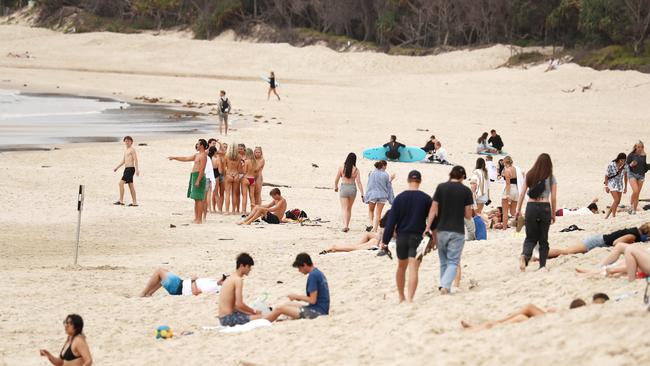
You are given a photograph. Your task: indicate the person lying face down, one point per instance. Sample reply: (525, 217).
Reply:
(624, 236)
(174, 285)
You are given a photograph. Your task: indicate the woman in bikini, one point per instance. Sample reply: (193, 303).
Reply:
(272, 87)
(259, 179)
(237, 186)
(368, 241)
(350, 179)
(616, 182)
(248, 182)
(231, 180)
(636, 169)
(218, 162)
(510, 192)
(75, 351)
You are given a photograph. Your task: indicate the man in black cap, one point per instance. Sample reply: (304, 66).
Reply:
(452, 204)
(408, 217)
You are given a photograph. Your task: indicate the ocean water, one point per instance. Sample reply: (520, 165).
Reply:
(36, 121)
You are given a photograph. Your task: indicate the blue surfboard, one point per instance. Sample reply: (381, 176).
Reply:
(408, 154)
(502, 153)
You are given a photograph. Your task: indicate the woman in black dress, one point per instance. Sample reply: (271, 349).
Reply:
(272, 87)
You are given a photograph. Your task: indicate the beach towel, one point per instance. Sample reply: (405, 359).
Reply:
(253, 324)
(196, 193)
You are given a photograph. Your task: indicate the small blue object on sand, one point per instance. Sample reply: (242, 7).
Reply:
(503, 153)
(408, 154)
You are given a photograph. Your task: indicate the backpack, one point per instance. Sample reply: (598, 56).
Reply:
(295, 214)
(225, 105)
(536, 190)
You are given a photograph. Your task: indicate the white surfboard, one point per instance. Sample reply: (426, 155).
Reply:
(265, 78)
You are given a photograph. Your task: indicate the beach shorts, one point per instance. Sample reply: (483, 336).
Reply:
(382, 201)
(196, 193)
(236, 318)
(633, 175)
(407, 245)
(223, 117)
(513, 193)
(172, 283)
(271, 218)
(307, 312)
(348, 190)
(127, 176)
(594, 241)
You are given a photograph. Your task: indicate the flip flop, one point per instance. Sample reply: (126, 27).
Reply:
(132, 205)
(118, 203)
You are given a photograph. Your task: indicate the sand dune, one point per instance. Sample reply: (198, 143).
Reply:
(332, 104)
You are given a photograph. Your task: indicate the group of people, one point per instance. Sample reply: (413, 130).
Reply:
(624, 169)
(491, 145)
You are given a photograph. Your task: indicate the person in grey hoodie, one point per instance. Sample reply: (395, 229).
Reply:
(379, 191)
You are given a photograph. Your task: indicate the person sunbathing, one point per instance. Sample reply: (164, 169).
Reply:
(591, 209)
(272, 213)
(637, 260)
(177, 286)
(368, 240)
(531, 311)
(627, 236)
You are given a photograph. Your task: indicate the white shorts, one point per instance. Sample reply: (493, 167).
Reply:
(513, 193)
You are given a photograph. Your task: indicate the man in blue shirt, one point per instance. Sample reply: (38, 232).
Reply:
(317, 298)
(408, 217)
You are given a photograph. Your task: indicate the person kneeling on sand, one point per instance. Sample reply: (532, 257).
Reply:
(317, 298)
(174, 285)
(232, 309)
(627, 236)
(531, 311)
(272, 213)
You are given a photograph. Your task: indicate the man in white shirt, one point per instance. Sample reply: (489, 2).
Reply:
(441, 154)
(177, 286)
(491, 169)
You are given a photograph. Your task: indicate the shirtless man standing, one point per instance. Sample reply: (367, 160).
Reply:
(232, 309)
(196, 189)
(272, 213)
(130, 162)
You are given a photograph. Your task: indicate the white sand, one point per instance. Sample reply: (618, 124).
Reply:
(332, 104)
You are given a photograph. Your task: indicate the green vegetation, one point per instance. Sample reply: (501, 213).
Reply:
(525, 58)
(617, 58)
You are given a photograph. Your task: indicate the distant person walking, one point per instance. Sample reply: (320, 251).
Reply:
(224, 108)
(408, 218)
(393, 148)
(540, 213)
(272, 87)
(350, 179)
(480, 185)
(511, 190)
(616, 182)
(637, 167)
(379, 192)
(130, 162)
(452, 205)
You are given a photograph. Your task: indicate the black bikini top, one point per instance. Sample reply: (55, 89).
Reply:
(68, 355)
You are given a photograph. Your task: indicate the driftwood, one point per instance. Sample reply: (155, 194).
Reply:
(267, 184)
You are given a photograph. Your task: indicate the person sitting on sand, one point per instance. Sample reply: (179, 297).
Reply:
(609, 267)
(368, 241)
(174, 285)
(196, 188)
(317, 298)
(482, 145)
(495, 217)
(271, 213)
(591, 209)
(393, 147)
(75, 350)
(232, 308)
(440, 155)
(495, 141)
(430, 146)
(553, 64)
(521, 315)
(628, 236)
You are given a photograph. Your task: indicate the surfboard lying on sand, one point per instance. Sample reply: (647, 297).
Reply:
(502, 153)
(408, 154)
(265, 78)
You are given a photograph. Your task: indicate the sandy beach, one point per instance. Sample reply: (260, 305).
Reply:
(333, 103)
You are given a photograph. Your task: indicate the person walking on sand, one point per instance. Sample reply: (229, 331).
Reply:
(616, 180)
(130, 162)
(75, 351)
(232, 308)
(540, 209)
(452, 205)
(271, 213)
(637, 167)
(196, 188)
(272, 87)
(407, 218)
(350, 179)
(480, 185)
(379, 192)
(224, 108)
(511, 190)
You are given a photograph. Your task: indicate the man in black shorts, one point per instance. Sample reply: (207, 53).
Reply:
(272, 212)
(408, 217)
(130, 162)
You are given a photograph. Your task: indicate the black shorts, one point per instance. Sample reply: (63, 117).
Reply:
(407, 245)
(271, 218)
(127, 177)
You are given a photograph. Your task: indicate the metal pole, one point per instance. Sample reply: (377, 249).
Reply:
(80, 203)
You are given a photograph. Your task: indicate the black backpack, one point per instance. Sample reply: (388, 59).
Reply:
(225, 105)
(537, 189)
(295, 214)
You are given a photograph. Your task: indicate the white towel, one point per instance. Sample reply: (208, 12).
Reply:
(253, 324)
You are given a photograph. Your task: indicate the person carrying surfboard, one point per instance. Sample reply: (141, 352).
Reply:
(393, 147)
(272, 87)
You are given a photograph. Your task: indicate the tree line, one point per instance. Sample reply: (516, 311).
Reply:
(413, 23)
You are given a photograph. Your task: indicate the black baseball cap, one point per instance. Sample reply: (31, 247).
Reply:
(415, 175)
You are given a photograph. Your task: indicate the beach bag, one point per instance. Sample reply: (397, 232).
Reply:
(295, 214)
(225, 105)
(537, 189)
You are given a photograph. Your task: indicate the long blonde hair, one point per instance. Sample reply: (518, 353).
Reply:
(251, 156)
(232, 152)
